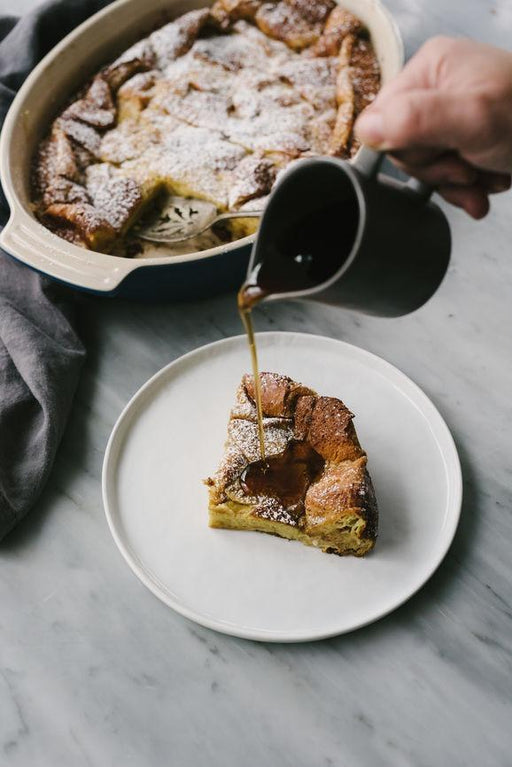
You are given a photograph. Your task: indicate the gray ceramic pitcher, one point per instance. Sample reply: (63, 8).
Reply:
(387, 248)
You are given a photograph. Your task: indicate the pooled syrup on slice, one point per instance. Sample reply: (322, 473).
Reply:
(285, 477)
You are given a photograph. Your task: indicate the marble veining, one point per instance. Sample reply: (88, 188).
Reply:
(94, 671)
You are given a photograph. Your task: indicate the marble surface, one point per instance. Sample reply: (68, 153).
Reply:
(94, 671)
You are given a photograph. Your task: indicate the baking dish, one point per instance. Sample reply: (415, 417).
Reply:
(79, 55)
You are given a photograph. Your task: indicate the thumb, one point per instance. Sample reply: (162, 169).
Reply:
(422, 117)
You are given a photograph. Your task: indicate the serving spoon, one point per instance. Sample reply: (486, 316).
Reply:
(180, 219)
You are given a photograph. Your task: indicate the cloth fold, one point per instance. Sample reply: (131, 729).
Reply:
(41, 354)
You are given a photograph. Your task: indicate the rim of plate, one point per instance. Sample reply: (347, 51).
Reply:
(440, 432)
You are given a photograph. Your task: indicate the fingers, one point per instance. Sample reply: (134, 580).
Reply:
(421, 72)
(423, 118)
(418, 157)
(445, 169)
(442, 124)
(473, 199)
(436, 168)
(457, 181)
(495, 183)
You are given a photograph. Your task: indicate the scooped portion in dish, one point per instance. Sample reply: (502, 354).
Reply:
(212, 106)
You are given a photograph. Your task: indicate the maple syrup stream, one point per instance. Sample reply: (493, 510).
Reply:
(248, 296)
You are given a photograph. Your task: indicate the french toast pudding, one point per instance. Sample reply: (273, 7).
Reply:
(313, 484)
(214, 106)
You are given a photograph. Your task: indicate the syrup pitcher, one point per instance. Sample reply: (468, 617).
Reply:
(342, 233)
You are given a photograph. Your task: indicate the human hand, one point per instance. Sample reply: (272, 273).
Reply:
(447, 120)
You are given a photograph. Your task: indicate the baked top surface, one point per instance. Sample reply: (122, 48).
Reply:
(331, 503)
(213, 105)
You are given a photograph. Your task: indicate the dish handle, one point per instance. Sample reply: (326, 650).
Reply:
(28, 241)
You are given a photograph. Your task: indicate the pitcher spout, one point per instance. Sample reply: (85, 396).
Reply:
(309, 229)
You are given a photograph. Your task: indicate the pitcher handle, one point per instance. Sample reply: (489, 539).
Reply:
(368, 161)
(423, 191)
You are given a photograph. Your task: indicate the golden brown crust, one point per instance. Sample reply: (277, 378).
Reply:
(303, 414)
(298, 23)
(225, 12)
(278, 394)
(313, 11)
(56, 160)
(365, 73)
(252, 178)
(357, 85)
(338, 490)
(339, 509)
(91, 228)
(96, 108)
(284, 22)
(64, 191)
(117, 199)
(345, 99)
(331, 431)
(339, 24)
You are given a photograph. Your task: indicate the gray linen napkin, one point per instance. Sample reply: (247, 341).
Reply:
(40, 352)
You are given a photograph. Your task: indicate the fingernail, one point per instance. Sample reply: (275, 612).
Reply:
(370, 128)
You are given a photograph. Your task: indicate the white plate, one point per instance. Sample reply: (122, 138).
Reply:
(170, 436)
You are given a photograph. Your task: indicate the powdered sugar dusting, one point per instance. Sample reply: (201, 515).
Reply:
(245, 435)
(271, 509)
(175, 39)
(83, 134)
(176, 161)
(117, 200)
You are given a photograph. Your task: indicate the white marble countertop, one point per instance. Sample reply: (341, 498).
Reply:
(95, 671)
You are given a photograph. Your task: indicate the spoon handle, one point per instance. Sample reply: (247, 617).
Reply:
(238, 214)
